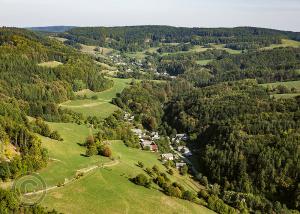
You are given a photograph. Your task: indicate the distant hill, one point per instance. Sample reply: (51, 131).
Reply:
(54, 29)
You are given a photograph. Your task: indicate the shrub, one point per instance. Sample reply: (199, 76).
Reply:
(188, 195)
(106, 151)
(142, 180)
(173, 191)
(140, 164)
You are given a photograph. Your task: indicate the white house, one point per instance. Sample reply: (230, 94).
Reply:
(167, 156)
(179, 165)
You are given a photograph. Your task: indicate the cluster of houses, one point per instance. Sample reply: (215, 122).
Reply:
(147, 141)
(171, 157)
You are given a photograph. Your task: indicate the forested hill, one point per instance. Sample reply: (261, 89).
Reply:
(137, 37)
(31, 85)
(53, 29)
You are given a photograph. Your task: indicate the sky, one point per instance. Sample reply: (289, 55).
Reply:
(277, 14)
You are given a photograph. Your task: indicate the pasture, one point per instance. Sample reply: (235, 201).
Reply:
(50, 64)
(109, 189)
(100, 107)
(284, 43)
(295, 85)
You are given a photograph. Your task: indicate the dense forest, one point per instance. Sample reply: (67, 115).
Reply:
(245, 140)
(140, 37)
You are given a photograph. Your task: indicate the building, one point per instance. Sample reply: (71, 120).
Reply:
(179, 165)
(137, 132)
(155, 136)
(167, 156)
(184, 150)
(149, 145)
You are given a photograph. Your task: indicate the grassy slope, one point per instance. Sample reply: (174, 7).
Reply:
(109, 190)
(50, 64)
(100, 107)
(285, 43)
(105, 189)
(289, 85)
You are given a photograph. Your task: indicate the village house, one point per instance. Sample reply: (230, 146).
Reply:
(155, 136)
(167, 156)
(138, 132)
(180, 165)
(180, 137)
(184, 150)
(149, 145)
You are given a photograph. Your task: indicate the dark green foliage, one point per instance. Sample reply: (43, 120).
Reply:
(138, 38)
(15, 130)
(40, 127)
(9, 204)
(266, 66)
(41, 87)
(142, 180)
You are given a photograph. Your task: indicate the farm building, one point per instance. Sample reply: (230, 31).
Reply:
(167, 156)
(179, 165)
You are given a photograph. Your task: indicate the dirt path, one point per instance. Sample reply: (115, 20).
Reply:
(84, 171)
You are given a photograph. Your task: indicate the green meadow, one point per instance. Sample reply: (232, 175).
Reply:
(284, 43)
(105, 189)
(100, 107)
(289, 85)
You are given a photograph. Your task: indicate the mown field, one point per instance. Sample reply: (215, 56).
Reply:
(108, 189)
(289, 85)
(285, 43)
(100, 107)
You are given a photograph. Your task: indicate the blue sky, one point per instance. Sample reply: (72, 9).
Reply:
(279, 14)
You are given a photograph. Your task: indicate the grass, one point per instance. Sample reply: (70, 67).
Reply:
(204, 62)
(89, 49)
(50, 64)
(100, 107)
(222, 47)
(108, 190)
(289, 85)
(285, 43)
(286, 96)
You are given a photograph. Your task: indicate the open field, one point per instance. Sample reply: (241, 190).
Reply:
(285, 43)
(204, 62)
(50, 64)
(100, 107)
(89, 49)
(285, 96)
(108, 189)
(289, 85)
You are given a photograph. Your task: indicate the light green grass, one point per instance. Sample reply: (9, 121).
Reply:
(285, 96)
(100, 107)
(289, 84)
(203, 62)
(66, 157)
(89, 49)
(285, 43)
(110, 191)
(222, 47)
(50, 64)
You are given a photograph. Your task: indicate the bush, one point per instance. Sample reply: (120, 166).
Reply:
(184, 170)
(106, 151)
(188, 195)
(173, 191)
(140, 164)
(142, 180)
